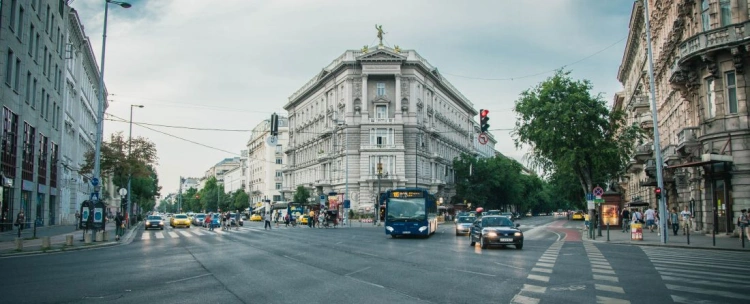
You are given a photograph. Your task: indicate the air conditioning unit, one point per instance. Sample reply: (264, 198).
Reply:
(7, 182)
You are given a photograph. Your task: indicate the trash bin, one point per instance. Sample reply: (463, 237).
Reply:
(636, 232)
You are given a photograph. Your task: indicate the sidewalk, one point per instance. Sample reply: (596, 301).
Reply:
(697, 240)
(57, 236)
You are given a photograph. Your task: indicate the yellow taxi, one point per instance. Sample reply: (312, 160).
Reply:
(302, 219)
(578, 215)
(256, 217)
(179, 220)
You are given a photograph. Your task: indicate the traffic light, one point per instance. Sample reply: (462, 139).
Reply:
(483, 118)
(274, 124)
(657, 191)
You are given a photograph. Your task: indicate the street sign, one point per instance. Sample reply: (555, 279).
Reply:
(599, 201)
(589, 196)
(94, 181)
(598, 191)
(482, 138)
(123, 192)
(94, 196)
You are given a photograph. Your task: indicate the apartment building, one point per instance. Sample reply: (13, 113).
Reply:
(700, 52)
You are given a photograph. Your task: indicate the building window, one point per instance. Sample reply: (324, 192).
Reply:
(12, 22)
(33, 94)
(31, 40)
(380, 89)
(387, 163)
(277, 198)
(381, 137)
(726, 12)
(732, 92)
(9, 68)
(278, 161)
(36, 48)
(381, 112)
(17, 82)
(278, 186)
(27, 97)
(279, 174)
(20, 22)
(279, 149)
(710, 99)
(705, 17)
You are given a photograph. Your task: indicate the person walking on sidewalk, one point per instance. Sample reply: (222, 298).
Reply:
(650, 218)
(674, 220)
(78, 219)
(744, 222)
(625, 217)
(686, 216)
(20, 220)
(119, 226)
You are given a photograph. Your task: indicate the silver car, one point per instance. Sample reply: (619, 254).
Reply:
(463, 224)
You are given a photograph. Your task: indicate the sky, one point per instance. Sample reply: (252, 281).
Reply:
(230, 64)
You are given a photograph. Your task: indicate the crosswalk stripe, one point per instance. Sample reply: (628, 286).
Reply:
(606, 300)
(159, 235)
(605, 278)
(198, 232)
(519, 299)
(703, 282)
(145, 236)
(609, 288)
(695, 263)
(186, 234)
(173, 234)
(702, 275)
(545, 270)
(684, 300)
(534, 288)
(601, 266)
(726, 294)
(545, 264)
(604, 271)
(538, 277)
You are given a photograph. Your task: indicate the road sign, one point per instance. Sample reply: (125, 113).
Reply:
(482, 138)
(589, 196)
(598, 191)
(272, 141)
(94, 181)
(123, 192)
(94, 196)
(599, 201)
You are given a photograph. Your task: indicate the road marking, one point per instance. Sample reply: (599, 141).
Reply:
(601, 266)
(370, 254)
(534, 288)
(186, 234)
(693, 289)
(361, 281)
(190, 278)
(703, 282)
(599, 262)
(545, 264)
(466, 271)
(569, 288)
(606, 300)
(511, 266)
(413, 252)
(683, 300)
(604, 271)
(361, 270)
(545, 270)
(538, 278)
(291, 258)
(197, 232)
(159, 235)
(713, 274)
(145, 236)
(605, 278)
(609, 288)
(519, 299)
(173, 234)
(682, 275)
(558, 236)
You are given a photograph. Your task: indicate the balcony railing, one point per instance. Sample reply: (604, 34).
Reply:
(687, 137)
(736, 34)
(669, 154)
(382, 120)
(381, 147)
(644, 152)
(646, 121)
(640, 104)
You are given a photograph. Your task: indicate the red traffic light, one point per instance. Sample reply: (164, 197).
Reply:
(483, 112)
(197, 197)
(657, 190)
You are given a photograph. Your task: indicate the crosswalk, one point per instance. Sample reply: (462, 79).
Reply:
(702, 276)
(197, 232)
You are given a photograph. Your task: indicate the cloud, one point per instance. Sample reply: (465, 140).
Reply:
(230, 64)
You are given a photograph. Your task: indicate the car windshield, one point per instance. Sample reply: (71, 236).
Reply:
(466, 219)
(406, 209)
(180, 216)
(200, 215)
(496, 221)
(506, 214)
(154, 218)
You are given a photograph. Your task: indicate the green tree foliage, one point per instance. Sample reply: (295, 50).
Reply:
(190, 202)
(570, 130)
(145, 190)
(301, 195)
(209, 196)
(241, 200)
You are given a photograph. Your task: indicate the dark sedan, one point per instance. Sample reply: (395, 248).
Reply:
(496, 230)
(154, 221)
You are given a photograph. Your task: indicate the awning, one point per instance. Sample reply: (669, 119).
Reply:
(706, 159)
(637, 204)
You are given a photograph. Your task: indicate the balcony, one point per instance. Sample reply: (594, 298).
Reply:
(381, 120)
(323, 156)
(644, 152)
(687, 138)
(634, 166)
(725, 37)
(278, 178)
(322, 183)
(640, 105)
(646, 121)
(382, 147)
(669, 155)
(650, 168)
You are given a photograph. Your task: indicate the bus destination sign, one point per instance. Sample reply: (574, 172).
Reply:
(406, 194)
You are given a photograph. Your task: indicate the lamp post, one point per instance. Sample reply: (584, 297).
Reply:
(130, 167)
(100, 108)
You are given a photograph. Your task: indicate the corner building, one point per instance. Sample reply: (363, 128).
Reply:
(701, 50)
(387, 106)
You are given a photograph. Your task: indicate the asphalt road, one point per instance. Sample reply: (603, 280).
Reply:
(362, 265)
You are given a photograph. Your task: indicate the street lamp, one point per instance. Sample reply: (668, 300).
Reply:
(130, 166)
(100, 108)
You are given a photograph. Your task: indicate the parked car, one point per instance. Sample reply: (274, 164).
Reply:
(496, 230)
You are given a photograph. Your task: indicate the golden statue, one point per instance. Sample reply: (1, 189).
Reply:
(364, 49)
(397, 49)
(380, 33)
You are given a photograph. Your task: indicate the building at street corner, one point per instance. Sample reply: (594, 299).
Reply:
(701, 51)
(264, 176)
(377, 105)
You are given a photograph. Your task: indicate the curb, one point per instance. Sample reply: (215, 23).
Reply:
(127, 239)
(666, 245)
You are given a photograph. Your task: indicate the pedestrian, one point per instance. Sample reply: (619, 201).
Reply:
(744, 222)
(625, 218)
(686, 216)
(119, 226)
(650, 219)
(674, 220)
(267, 220)
(78, 219)
(311, 219)
(20, 220)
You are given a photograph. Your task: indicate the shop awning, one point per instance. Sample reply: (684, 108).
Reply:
(637, 204)
(706, 159)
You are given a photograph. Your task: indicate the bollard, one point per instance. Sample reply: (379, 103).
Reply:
(87, 238)
(34, 229)
(19, 244)
(99, 236)
(742, 236)
(46, 244)
(688, 234)
(607, 231)
(105, 236)
(69, 240)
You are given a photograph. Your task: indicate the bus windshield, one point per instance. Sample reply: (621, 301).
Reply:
(406, 209)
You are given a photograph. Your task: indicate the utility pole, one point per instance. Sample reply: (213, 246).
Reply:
(179, 197)
(657, 147)
(377, 196)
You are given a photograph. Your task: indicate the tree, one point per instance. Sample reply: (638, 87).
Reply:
(241, 200)
(209, 195)
(570, 130)
(302, 195)
(494, 182)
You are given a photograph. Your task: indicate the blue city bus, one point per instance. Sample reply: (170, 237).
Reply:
(410, 211)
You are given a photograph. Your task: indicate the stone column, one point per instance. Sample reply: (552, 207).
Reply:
(365, 100)
(398, 98)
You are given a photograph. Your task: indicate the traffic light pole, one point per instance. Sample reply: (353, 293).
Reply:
(657, 147)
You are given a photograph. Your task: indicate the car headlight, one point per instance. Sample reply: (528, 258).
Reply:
(161, 222)
(492, 234)
(517, 234)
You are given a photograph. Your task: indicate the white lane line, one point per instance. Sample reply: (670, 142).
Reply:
(519, 299)
(538, 278)
(466, 271)
(173, 234)
(363, 269)
(511, 266)
(545, 270)
(684, 300)
(692, 289)
(604, 271)
(703, 282)
(368, 283)
(605, 278)
(190, 278)
(606, 300)
(534, 288)
(291, 258)
(609, 288)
